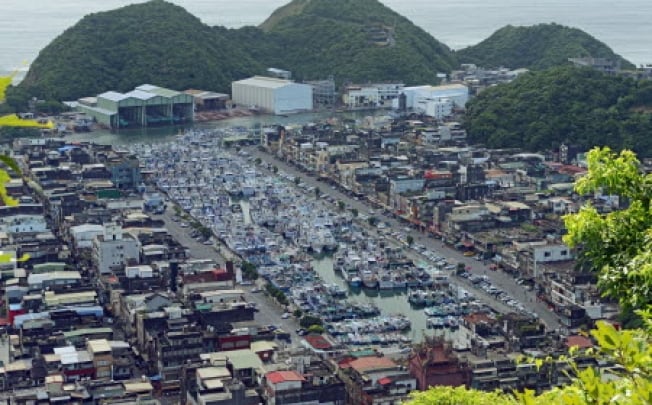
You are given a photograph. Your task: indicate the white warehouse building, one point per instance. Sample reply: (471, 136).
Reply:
(457, 94)
(277, 96)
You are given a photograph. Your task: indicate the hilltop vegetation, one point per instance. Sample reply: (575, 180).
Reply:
(158, 42)
(536, 47)
(540, 110)
(357, 40)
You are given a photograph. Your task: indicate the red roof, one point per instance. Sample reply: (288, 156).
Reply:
(212, 276)
(478, 317)
(318, 342)
(276, 377)
(578, 341)
(364, 364)
(384, 381)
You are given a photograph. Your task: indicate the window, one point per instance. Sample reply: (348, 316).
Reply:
(546, 254)
(564, 253)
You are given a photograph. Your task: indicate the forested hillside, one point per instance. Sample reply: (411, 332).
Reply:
(543, 109)
(536, 47)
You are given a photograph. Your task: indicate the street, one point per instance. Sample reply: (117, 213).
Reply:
(269, 311)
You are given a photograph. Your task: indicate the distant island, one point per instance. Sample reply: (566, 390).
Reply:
(351, 40)
(537, 47)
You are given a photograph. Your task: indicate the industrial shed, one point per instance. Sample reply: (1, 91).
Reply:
(145, 106)
(277, 96)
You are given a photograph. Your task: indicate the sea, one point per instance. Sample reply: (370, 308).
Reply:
(27, 26)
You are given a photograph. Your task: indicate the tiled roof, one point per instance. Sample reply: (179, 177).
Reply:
(276, 377)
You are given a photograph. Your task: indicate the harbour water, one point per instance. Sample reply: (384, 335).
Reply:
(388, 301)
(164, 134)
(28, 26)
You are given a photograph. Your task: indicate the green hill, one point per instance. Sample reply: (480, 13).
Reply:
(541, 110)
(160, 43)
(153, 42)
(536, 47)
(356, 40)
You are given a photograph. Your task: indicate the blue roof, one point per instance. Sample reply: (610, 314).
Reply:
(66, 148)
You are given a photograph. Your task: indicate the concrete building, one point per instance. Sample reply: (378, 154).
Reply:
(277, 96)
(114, 249)
(372, 95)
(145, 106)
(101, 355)
(323, 92)
(83, 235)
(418, 97)
(125, 171)
(435, 108)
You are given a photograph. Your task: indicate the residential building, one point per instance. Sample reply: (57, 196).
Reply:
(434, 363)
(114, 249)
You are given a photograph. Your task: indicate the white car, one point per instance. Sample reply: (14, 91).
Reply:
(285, 315)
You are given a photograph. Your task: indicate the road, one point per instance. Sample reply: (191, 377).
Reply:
(269, 311)
(498, 278)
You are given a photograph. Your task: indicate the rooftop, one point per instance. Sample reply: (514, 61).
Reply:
(276, 377)
(372, 363)
(266, 82)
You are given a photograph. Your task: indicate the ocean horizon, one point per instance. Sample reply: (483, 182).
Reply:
(26, 27)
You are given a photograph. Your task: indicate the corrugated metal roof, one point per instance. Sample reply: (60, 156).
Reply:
(113, 96)
(159, 91)
(99, 346)
(103, 111)
(138, 386)
(140, 95)
(266, 82)
(146, 87)
(243, 359)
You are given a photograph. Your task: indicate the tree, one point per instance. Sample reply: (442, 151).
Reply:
(617, 244)
(257, 161)
(297, 180)
(205, 232)
(317, 192)
(354, 212)
(316, 329)
(310, 320)
(13, 120)
(409, 240)
(373, 221)
(341, 205)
